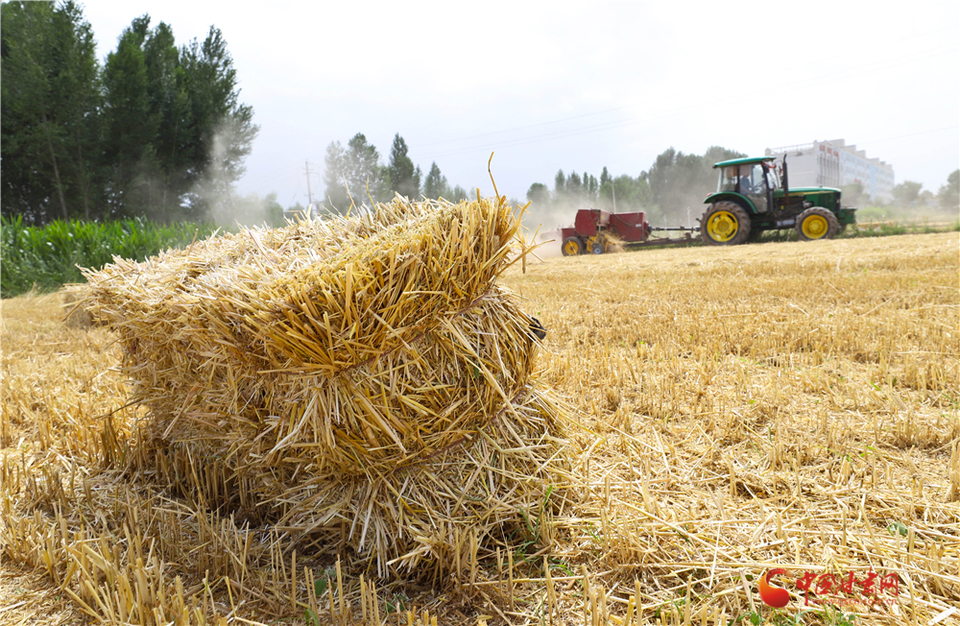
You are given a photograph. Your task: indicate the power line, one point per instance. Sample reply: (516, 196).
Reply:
(922, 132)
(629, 121)
(893, 61)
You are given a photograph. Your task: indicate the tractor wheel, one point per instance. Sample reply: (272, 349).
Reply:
(598, 248)
(572, 246)
(725, 224)
(817, 223)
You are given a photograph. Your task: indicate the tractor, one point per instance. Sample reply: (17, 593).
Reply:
(750, 199)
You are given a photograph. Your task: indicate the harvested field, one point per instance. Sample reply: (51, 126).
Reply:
(783, 405)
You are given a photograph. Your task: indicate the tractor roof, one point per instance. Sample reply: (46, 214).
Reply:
(743, 161)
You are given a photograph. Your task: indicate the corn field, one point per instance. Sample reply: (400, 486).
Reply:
(44, 258)
(733, 412)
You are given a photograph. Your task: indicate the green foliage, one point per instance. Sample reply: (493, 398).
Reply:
(354, 171)
(631, 194)
(458, 193)
(836, 617)
(404, 178)
(435, 186)
(680, 181)
(852, 194)
(949, 194)
(906, 193)
(51, 98)
(45, 258)
(357, 168)
(538, 194)
(156, 131)
(672, 189)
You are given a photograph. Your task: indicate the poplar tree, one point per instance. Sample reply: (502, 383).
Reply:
(404, 177)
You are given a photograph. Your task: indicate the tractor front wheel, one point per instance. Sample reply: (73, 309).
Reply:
(572, 246)
(817, 223)
(725, 224)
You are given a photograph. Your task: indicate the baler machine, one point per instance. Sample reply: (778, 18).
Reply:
(595, 231)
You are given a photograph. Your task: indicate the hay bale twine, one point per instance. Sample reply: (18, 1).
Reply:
(358, 382)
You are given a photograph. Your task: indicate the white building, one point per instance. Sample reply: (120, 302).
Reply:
(834, 164)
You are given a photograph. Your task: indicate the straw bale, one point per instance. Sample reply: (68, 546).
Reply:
(73, 304)
(365, 368)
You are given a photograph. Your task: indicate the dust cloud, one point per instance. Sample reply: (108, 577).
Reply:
(216, 191)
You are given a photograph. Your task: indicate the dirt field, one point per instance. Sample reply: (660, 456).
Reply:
(782, 405)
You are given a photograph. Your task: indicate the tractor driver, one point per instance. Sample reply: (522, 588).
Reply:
(745, 185)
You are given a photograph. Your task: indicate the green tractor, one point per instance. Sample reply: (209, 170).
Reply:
(750, 199)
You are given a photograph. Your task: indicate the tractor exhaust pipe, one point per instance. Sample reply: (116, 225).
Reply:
(786, 187)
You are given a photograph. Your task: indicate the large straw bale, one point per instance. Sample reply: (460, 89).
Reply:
(73, 301)
(360, 381)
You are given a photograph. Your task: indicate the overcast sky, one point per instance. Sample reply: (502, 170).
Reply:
(576, 86)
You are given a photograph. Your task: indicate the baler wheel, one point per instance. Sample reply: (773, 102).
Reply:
(725, 224)
(817, 223)
(572, 246)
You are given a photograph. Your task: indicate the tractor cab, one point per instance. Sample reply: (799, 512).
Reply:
(755, 179)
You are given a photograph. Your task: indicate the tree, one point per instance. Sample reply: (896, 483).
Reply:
(538, 194)
(681, 181)
(590, 187)
(573, 189)
(435, 186)
(176, 134)
(170, 106)
(157, 131)
(221, 127)
(131, 125)
(404, 177)
(604, 176)
(633, 194)
(355, 169)
(559, 184)
(852, 193)
(458, 194)
(907, 193)
(337, 196)
(949, 194)
(50, 99)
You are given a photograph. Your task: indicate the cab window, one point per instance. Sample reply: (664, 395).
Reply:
(728, 179)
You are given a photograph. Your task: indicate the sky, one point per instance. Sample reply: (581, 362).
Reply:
(575, 86)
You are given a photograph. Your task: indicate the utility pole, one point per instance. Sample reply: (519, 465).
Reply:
(309, 193)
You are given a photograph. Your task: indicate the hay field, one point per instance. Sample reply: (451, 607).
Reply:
(779, 405)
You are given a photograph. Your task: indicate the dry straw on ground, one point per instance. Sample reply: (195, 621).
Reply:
(780, 405)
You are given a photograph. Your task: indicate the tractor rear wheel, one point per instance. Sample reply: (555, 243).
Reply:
(572, 246)
(817, 223)
(725, 224)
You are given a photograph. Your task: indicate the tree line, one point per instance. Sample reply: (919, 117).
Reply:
(156, 131)
(673, 183)
(911, 193)
(356, 172)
